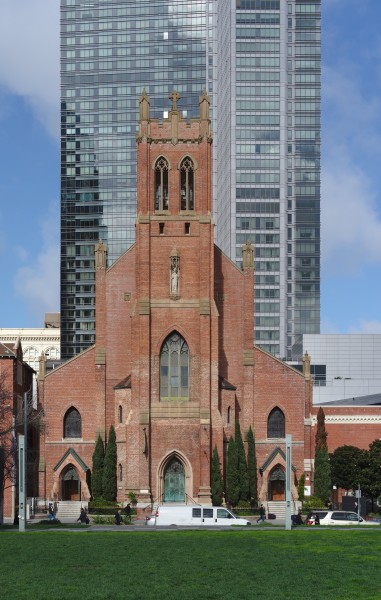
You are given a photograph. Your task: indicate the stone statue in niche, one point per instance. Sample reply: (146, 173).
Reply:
(100, 255)
(174, 276)
(248, 255)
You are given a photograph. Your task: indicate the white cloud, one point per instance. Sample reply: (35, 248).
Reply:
(351, 226)
(38, 282)
(371, 327)
(351, 215)
(29, 56)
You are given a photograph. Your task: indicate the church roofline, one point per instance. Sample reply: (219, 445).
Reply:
(70, 360)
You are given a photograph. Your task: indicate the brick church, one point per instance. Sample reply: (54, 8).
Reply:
(174, 365)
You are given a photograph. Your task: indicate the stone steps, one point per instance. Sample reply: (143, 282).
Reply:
(69, 509)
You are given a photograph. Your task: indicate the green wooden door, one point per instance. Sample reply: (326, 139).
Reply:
(174, 482)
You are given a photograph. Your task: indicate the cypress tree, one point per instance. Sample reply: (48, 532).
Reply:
(217, 486)
(243, 481)
(97, 473)
(301, 483)
(232, 485)
(252, 468)
(109, 469)
(322, 475)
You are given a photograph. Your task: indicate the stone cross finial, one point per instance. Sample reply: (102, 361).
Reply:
(204, 103)
(174, 96)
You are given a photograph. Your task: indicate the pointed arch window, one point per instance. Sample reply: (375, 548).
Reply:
(276, 424)
(72, 423)
(161, 183)
(187, 184)
(174, 368)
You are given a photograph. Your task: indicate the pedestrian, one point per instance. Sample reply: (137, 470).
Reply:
(317, 519)
(262, 514)
(52, 516)
(127, 510)
(83, 517)
(118, 517)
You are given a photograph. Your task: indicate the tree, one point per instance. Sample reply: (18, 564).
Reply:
(109, 484)
(11, 423)
(217, 486)
(322, 476)
(301, 483)
(345, 467)
(232, 480)
(97, 472)
(252, 468)
(243, 482)
(370, 471)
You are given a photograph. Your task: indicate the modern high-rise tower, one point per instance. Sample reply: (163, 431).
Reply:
(260, 61)
(110, 51)
(267, 98)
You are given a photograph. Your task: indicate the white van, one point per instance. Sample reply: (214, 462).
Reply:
(167, 515)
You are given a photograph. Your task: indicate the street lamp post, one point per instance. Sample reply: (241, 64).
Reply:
(23, 443)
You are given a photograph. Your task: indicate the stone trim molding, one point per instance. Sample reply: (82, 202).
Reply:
(345, 419)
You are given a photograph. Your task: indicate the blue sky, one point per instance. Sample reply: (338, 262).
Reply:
(351, 164)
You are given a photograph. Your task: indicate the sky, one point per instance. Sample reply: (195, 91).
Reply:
(351, 164)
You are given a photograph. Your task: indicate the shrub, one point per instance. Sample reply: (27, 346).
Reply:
(109, 469)
(312, 502)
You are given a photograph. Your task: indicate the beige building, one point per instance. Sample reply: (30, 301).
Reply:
(35, 341)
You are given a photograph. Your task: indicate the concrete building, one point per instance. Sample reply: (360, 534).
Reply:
(260, 62)
(346, 367)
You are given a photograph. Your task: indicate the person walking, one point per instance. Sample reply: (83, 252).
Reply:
(127, 510)
(262, 514)
(52, 516)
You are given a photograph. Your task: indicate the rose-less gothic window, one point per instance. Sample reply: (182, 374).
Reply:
(174, 369)
(161, 184)
(187, 184)
(72, 424)
(276, 424)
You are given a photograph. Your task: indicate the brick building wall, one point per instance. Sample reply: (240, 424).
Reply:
(174, 280)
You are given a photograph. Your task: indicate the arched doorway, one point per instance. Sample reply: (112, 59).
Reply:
(276, 483)
(70, 484)
(174, 482)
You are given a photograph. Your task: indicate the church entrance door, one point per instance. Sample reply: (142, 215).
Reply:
(70, 484)
(174, 482)
(276, 487)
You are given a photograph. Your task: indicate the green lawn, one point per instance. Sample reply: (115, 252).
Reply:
(187, 565)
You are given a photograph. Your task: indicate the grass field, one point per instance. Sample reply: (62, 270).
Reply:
(190, 565)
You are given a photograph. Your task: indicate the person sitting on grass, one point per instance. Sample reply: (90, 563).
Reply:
(83, 517)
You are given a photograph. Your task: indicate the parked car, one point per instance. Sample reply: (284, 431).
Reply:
(311, 517)
(194, 515)
(337, 517)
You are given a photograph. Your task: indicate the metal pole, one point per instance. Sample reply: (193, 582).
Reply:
(23, 442)
(358, 502)
(288, 480)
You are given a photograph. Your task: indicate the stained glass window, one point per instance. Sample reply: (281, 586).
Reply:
(161, 184)
(174, 369)
(187, 184)
(276, 424)
(72, 424)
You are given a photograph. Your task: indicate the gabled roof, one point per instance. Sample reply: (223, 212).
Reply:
(368, 400)
(7, 350)
(77, 458)
(124, 384)
(273, 454)
(225, 385)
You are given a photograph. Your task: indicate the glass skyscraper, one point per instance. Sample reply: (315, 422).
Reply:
(110, 51)
(267, 95)
(260, 61)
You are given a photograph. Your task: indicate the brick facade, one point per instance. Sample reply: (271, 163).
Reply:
(174, 280)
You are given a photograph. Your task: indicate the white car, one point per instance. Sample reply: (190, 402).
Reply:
(342, 517)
